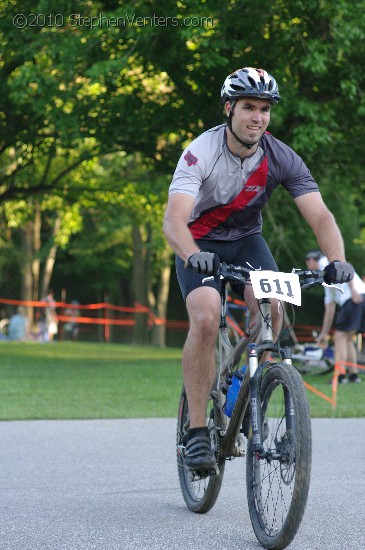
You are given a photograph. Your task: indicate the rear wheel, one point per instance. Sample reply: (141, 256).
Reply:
(278, 482)
(200, 491)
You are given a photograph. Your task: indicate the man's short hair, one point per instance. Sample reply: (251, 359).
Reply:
(314, 254)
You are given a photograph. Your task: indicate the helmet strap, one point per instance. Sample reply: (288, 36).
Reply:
(229, 124)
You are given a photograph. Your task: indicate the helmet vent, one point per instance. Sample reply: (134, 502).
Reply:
(252, 82)
(238, 87)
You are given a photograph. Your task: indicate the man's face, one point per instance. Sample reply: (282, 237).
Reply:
(250, 118)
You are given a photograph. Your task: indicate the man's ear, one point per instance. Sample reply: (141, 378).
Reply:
(228, 107)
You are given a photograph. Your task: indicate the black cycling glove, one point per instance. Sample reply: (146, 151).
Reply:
(206, 263)
(338, 272)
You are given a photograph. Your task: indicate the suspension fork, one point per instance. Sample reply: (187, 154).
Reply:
(256, 413)
(255, 400)
(255, 372)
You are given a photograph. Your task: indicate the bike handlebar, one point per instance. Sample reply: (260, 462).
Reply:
(240, 274)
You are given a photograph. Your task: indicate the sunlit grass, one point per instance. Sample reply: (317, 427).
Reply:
(70, 380)
(77, 380)
(350, 398)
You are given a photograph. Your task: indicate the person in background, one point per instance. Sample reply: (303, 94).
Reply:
(51, 317)
(71, 329)
(18, 328)
(350, 318)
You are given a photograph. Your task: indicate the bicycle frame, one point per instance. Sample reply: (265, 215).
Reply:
(229, 357)
(271, 412)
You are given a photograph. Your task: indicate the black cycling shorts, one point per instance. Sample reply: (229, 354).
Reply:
(351, 317)
(251, 250)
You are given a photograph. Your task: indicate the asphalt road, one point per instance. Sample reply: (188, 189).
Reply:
(112, 484)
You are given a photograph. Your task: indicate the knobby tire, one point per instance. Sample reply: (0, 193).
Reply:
(199, 493)
(277, 489)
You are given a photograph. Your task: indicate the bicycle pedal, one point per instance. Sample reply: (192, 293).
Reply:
(205, 472)
(213, 472)
(202, 474)
(239, 446)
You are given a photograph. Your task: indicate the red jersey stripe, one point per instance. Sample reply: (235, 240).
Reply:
(212, 219)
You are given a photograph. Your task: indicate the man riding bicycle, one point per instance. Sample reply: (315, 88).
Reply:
(221, 184)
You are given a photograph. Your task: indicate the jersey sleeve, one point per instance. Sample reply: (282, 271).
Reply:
(189, 173)
(290, 171)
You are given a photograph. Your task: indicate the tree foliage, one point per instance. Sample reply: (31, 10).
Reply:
(96, 106)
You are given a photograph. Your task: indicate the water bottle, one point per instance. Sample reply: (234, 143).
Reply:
(233, 390)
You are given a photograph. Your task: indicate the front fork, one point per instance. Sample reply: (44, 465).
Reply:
(255, 372)
(256, 413)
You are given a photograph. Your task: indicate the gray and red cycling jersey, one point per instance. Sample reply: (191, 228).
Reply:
(229, 192)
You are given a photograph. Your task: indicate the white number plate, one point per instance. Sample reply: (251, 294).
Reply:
(274, 284)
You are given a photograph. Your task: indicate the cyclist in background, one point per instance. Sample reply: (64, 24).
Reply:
(350, 318)
(221, 184)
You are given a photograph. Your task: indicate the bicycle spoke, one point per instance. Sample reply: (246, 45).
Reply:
(199, 491)
(276, 494)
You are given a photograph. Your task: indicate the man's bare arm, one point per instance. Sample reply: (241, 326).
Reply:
(323, 224)
(175, 227)
(329, 314)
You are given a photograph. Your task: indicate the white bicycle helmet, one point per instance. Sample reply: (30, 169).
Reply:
(250, 82)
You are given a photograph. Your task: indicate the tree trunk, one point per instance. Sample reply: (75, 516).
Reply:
(36, 263)
(27, 254)
(51, 258)
(140, 286)
(31, 252)
(159, 328)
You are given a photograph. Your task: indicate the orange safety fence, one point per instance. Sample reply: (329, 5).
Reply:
(235, 326)
(102, 305)
(340, 369)
(106, 319)
(319, 393)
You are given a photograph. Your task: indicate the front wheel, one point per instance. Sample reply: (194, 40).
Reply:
(278, 481)
(200, 492)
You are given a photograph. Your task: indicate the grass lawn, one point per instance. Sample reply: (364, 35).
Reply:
(68, 380)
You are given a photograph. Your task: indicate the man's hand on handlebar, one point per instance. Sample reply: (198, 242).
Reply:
(205, 263)
(338, 272)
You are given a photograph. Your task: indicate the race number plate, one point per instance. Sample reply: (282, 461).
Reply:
(274, 284)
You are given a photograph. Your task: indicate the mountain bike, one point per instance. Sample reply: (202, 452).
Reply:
(271, 414)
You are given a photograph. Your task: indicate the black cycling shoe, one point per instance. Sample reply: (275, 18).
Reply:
(199, 454)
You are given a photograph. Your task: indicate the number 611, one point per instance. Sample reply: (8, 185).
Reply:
(266, 287)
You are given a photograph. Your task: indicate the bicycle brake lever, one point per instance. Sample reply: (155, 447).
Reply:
(309, 284)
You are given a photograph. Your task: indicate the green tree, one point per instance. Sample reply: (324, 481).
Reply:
(74, 92)
(72, 89)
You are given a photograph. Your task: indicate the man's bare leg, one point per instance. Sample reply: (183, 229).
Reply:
(341, 347)
(352, 353)
(203, 305)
